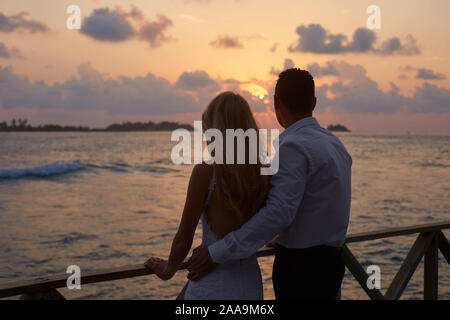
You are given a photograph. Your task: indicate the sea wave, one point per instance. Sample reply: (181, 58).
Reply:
(42, 171)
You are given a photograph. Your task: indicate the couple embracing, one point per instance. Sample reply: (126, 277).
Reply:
(303, 210)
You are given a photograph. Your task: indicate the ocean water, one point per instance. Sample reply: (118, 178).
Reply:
(101, 200)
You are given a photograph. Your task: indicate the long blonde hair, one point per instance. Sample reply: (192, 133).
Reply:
(241, 186)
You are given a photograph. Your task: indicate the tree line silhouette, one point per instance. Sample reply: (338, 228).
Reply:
(23, 125)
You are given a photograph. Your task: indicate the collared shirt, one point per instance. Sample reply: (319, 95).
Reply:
(309, 200)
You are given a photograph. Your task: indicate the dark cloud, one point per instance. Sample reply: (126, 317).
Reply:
(423, 73)
(196, 80)
(107, 25)
(429, 98)
(8, 53)
(91, 90)
(428, 74)
(314, 38)
(154, 32)
(318, 71)
(350, 91)
(355, 92)
(395, 46)
(20, 23)
(116, 25)
(227, 42)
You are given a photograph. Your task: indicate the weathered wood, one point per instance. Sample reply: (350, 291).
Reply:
(360, 274)
(430, 291)
(409, 265)
(393, 232)
(444, 246)
(60, 280)
(52, 294)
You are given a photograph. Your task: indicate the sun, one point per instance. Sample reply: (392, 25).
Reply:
(256, 90)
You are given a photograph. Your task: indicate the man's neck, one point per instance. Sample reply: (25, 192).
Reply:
(294, 118)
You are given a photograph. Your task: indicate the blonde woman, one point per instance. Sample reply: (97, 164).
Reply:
(223, 197)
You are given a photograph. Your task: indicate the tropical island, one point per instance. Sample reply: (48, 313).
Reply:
(22, 125)
(338, 128)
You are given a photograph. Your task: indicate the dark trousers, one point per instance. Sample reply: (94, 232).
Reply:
(314, 273)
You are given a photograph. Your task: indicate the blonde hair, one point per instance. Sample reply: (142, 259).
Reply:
(241, 186)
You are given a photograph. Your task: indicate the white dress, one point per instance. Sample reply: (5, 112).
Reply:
(232, 280)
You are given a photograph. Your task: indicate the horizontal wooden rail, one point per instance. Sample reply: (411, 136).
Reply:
(394, 232)
(49, 285)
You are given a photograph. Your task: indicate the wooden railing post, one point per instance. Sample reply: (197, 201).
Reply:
(360, 274)
(444, 246)
(408, 266)
(430, 291)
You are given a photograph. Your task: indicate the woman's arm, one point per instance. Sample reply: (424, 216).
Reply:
(196, 194)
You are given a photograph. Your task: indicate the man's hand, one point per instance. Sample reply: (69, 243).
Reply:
(200, 263)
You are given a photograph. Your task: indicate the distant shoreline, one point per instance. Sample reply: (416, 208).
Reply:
(23, 126)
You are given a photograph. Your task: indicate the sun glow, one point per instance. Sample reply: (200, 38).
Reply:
(256, 90)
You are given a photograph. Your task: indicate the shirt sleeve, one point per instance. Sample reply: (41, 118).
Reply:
(284, 198)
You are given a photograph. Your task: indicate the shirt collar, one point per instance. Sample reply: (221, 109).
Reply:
(305, 122)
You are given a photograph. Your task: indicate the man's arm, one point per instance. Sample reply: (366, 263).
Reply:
(284, 198)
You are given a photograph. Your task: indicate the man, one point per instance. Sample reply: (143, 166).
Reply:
(308, 205)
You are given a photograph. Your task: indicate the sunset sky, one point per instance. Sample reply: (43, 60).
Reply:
(143, 60)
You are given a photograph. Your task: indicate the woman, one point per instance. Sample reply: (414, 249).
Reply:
(224, 197)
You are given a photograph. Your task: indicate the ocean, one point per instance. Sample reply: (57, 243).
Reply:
(101, 200)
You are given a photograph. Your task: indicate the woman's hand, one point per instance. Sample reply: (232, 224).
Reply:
(159, 267)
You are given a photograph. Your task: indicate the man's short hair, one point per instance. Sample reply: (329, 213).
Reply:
(295, 88)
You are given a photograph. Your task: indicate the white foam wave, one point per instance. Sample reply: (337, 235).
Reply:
(41, 171)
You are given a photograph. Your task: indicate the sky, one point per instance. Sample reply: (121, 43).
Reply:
(144, 60)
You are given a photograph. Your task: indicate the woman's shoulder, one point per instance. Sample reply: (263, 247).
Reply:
(202, 173)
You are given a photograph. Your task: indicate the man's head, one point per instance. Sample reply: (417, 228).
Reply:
(294, 96)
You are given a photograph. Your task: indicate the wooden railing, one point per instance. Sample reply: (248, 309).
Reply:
(430, 240)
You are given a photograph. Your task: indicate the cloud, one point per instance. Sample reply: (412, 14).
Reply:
(107, 25)
(90, 93)
(154, 32)
(274, 47)
(429, 75)
(20, 23)
(9, 53)
(423, 73)
(288, 64)
(395, 46)
(91, 90)
(407, 68)
(117, 25)
(317, 71)
(197, 80)
(354, 92)
(227, 42)
(315, 39)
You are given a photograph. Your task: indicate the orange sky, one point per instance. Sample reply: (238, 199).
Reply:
(55, 56)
